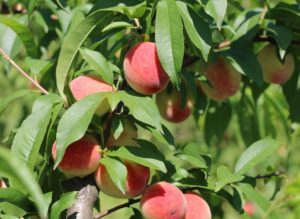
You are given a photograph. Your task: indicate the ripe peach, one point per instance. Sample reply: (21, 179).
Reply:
(249, 208)
(163, 200)
(127, 136)
(224, 80)
(196, 207)
(142, 69)
(86, 85)
(136, 180)
(273, 70)
(81, 158)
(170, 106)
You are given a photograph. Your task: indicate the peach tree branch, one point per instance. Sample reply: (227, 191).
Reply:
(25, 74)
(118, 207)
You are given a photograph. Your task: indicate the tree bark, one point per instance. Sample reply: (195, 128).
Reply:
(85, 198)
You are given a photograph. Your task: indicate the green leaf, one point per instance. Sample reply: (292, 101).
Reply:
(256, 153)
(5, 101)
(216, 121)
(195, 161)
(37, 66)
(245, 61)
(247, 120)
(225, 176)
(72, 42)
(254, 196)
(116, 25)
(217, 10)
(99, 64)
(5, 216)
(74, 123)
(117, 172)
(169, 38)
(65, 201)
(11, 209)
(29, 137)
(23, 33)
(139, 155)
(142, 108)
(15, 197)
(283, 37)
(14, 169)
(197, 29)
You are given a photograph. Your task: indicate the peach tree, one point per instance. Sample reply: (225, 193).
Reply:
(156, 109)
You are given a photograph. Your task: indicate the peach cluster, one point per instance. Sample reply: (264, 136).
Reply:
(83, 157)
(163, 200)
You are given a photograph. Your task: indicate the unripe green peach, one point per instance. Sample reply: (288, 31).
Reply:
(196, 207)
(136, 180)
(224, 80)
(170, 106)
(142, 69)
(86, 85)
(274, 71)
(127, 136)
(163, 200)
(81, 158)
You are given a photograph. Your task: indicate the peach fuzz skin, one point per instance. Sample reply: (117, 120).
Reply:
(143, 71)
(163, 200)
(81, 158)
(86, 85)
(273, 70)
(196, 207)
(170, 108)
(224, 80)
(136, 180)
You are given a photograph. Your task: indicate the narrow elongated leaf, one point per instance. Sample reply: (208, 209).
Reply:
(254, 196)
(98, 63)
(30, 135)
(5, 101)
(256, 153)
(15, 197)
(23, 33)
(198, 162)
(169, 38)
(225, 176)
(141, 156)
(217, 9)
(65, 201)
(37, 66)
(11, 209)
(283, 37)
(197, 30)
(14, 169)
(143, 109)
(73, 42)
(117, 172)
(74, 123)
(5, 216)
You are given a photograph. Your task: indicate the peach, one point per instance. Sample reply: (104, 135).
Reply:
(196, 207)
(274, 71)
(81, 158)
(86, 85)
(163, 200)
(127, 136)
(224, 80)
(170, 106)
(136, 180)
(143, 71)
(249, 208)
